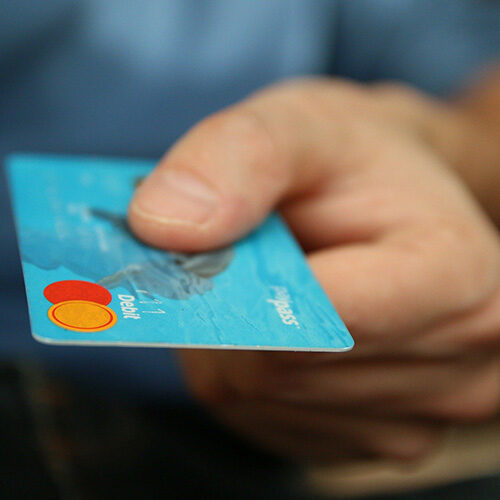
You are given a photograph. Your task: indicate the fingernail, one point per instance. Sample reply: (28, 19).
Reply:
(174, 196)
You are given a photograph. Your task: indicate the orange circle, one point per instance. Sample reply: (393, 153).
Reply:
(82, 316)
(65, 290)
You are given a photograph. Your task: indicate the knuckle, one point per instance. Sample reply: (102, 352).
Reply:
(239, 126)
(243, 132)
(396, 91)
(300, 87)
(318, 95)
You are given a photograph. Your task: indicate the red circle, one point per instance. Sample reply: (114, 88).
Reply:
(77, 290)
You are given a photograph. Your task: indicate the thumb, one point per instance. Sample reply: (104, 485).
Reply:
(225, 175)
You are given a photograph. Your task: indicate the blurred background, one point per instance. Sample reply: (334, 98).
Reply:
(127, 78)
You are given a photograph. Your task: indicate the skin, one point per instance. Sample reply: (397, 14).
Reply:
(372, 181)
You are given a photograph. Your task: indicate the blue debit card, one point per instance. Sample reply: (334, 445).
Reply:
(89, 281)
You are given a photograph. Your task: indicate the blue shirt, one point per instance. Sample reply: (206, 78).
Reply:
(128, 77)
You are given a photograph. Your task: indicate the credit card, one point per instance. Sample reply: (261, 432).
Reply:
(89, 281)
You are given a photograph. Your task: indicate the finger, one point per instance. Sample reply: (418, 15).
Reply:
(288, 442)
(365, 383)
(228, 172)
(216, 376)
(223, 377)
(386, 350)
(307, 432)
(477, 329)
(408, 279)
(472, 331)
(472, 399)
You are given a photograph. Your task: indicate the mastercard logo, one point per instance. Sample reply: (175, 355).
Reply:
(80, 306)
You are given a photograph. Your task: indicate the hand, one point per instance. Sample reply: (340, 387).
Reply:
(396, 240)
